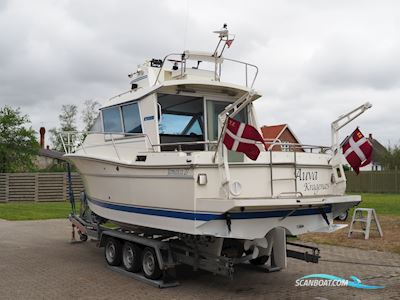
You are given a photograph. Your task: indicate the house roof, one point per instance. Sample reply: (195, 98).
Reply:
(51, 153)
(273, 132)
(379, 151)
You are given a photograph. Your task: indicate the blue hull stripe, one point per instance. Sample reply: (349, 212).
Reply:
(188, 215)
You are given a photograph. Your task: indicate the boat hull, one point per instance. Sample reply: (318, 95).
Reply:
(250, 225)
(156, 197)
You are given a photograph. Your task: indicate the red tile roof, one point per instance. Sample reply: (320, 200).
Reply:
(272, 132)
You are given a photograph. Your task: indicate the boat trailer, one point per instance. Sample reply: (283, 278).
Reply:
(157, 253)
(160, 253)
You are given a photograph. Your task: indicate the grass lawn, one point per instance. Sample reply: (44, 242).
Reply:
(385, 204)
(17, 211)
(387, 207)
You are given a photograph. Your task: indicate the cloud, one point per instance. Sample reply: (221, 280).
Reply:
(316, 59)
(347, 62)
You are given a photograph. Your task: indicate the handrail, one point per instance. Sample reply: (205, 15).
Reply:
(217, 78)
(71, 144)
(299, 146)
(246, 65)
(162, 65)
(186, 143)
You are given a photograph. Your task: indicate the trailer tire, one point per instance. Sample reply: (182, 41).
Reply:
(131, 257)
(112, 251)
(150, 266)
(343, 216)
(82, 236)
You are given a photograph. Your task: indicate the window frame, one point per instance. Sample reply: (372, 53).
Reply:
(121, 135)
(120, 116)
(285, 146)
(218, 99)
(140, 118)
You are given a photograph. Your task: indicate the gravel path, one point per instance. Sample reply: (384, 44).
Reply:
(37, 261)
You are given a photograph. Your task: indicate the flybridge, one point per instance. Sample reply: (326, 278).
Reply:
(195, 65)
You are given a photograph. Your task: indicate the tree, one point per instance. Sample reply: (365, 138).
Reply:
(18, 144)
(67, 119)
(391, 159)
(89, 113)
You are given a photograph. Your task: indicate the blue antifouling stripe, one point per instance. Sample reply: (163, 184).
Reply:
(191, 215)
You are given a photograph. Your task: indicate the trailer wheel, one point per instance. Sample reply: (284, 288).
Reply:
(131, 257)
(112, 251)
(151, 269)
(343, 216)
(82, 236)
(259, 261)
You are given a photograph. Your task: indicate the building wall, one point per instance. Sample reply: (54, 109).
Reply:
(43, 162)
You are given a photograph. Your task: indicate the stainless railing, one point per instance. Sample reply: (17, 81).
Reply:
(182, 59)
(292, 147)
(295, 146)
(72, 140)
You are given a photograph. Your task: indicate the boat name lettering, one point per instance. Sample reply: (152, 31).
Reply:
(306, 175)
(315, 186)
(178, 172)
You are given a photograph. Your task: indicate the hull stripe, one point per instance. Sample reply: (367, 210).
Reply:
(191, 215)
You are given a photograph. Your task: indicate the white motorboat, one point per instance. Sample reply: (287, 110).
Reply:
(155, 158)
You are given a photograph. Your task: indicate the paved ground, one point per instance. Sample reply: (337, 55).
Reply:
(38, 262)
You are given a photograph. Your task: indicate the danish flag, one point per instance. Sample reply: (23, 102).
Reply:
(229, 43)
(241, 137)
(357, 150)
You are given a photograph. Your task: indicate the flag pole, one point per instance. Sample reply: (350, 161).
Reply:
(220, 137)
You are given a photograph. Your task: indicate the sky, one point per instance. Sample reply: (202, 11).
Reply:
(317, 59)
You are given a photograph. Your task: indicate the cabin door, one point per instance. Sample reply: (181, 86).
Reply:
(214, 108)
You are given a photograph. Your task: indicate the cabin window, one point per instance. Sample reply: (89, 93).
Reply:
(112, 119)
(131, 118)
(181, 125)
(96, 127)
(181, 122)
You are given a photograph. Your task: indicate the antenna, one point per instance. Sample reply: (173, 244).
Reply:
(224, 36)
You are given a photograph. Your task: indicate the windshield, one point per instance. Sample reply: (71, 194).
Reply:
(181, 115)
(181, 124)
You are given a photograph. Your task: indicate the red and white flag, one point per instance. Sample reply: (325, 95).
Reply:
(229, 43)
(241, 137)
(357, 150)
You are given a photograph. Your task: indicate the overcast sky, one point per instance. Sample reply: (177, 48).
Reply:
(317, 59)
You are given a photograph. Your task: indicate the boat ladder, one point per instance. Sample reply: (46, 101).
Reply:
(294, 178)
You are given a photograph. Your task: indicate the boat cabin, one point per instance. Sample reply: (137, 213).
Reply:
(174, 108)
